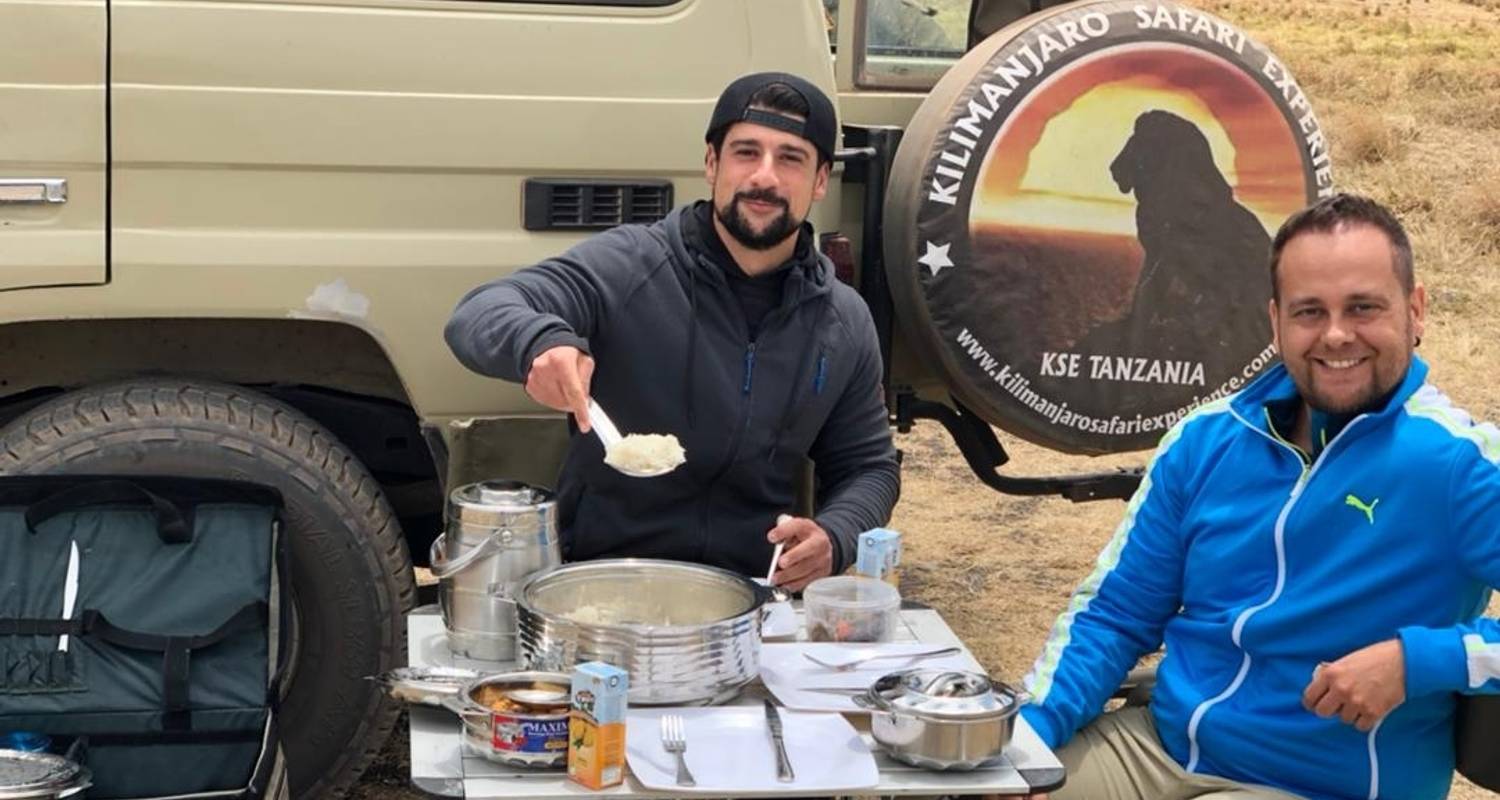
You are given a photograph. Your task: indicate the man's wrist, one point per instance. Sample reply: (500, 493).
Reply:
(551, 339)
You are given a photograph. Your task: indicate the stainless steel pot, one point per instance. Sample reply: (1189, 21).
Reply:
(498, 533)
(941, 719)
(687, 634)
(40, 776)
(525, 736)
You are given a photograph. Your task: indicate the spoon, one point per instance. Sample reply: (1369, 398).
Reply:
(781, 519)
(609, 436)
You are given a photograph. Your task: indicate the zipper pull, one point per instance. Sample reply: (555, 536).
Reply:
(749, 368)
(820, 376)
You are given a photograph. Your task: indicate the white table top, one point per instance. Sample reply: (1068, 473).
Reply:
(440, 765)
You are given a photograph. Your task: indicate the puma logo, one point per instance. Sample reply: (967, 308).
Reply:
(1369, 509)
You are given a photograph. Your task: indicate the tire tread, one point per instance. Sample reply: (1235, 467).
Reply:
(39, 442)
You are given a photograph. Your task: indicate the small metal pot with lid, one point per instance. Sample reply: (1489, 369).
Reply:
(26, 775)
(517, 718)
(942, 719)
(498, 533)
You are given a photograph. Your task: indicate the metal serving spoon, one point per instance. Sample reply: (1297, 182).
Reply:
(609, 436)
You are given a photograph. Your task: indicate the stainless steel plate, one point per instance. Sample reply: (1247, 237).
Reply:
(426, 686)
(25, 775)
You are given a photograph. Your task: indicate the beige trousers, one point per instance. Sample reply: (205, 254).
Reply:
(1119, 757)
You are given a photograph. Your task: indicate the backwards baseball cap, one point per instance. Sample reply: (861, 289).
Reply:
(820, 128)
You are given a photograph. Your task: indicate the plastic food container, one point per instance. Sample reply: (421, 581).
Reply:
(851, 608)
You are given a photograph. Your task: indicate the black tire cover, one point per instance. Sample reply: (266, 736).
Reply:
(1080, 215)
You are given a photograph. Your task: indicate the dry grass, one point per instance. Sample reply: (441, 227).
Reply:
(1482, 203)
(1368, 138)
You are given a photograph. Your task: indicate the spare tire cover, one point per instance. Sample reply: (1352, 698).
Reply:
(1080, 215)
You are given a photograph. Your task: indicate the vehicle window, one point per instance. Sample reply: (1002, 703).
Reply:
(907, 44)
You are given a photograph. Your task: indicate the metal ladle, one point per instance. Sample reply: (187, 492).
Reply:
(609, 436)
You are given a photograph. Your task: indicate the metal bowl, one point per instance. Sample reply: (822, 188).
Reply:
(687, 634)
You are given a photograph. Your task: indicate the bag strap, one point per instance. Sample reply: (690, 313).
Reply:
(173, 524)
(253, 616)
(176, 650)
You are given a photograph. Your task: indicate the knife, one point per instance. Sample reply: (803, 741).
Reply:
(70, 594)
(783, 764)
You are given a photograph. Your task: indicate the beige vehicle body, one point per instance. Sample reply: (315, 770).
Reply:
(298, 192)
(233, 230)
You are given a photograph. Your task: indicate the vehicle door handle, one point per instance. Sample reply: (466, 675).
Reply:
(33, 190)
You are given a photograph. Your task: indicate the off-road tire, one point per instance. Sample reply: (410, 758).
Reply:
(351, 574)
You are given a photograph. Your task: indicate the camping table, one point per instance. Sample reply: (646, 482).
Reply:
(440, 766)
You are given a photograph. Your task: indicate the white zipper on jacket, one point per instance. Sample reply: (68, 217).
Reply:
(1374, 760)
(1239, 624)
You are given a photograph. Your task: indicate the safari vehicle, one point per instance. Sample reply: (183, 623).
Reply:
(233, 232)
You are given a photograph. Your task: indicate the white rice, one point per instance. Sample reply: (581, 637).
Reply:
(646, 452)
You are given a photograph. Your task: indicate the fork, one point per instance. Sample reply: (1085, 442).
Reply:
(674, 740)
(845, 666)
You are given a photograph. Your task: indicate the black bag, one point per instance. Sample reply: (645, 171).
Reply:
(163, 672)
(1478, 739)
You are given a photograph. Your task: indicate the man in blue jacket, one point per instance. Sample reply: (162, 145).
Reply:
(1314, 552)
(722, 325)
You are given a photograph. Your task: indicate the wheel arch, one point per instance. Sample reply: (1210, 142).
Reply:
(336, 373)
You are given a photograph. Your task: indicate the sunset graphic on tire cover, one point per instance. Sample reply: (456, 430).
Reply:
(1086, 241)
(1143, 183)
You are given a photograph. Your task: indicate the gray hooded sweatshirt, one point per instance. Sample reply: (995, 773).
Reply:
(675, 354)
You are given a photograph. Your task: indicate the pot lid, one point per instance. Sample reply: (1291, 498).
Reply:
(26, 774)
(498, 501)
(945, 694)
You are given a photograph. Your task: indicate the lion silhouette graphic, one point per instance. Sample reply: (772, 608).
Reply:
(1203, 282)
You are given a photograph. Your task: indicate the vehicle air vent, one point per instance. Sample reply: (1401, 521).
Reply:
(593, 204)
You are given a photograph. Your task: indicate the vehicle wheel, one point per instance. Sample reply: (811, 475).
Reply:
(351, 574)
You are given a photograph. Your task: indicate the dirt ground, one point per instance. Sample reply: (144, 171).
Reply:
(1409, 95)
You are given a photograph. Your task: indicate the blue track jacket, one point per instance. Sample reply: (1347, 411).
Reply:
(1253, 568)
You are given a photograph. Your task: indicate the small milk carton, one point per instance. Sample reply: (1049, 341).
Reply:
(879, 555)
(596, 725)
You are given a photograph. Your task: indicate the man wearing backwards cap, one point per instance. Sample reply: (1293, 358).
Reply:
(722, 325)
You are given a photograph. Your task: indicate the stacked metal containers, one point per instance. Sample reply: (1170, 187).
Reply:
(499, 532)
(688, 634)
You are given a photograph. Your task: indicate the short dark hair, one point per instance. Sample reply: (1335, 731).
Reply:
(1343, 210)
(777, 97)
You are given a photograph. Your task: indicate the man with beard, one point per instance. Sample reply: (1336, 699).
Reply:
(723, 326)
(1315, 552)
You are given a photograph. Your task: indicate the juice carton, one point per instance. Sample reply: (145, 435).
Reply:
(596, 725)
(879, 555)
